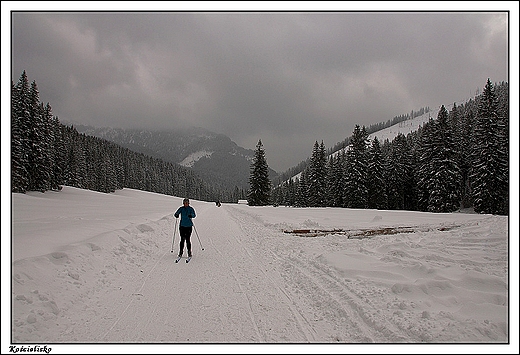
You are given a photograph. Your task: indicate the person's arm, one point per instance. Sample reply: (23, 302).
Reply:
(192, 213)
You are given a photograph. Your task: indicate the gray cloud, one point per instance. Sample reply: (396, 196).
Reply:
(286, 78)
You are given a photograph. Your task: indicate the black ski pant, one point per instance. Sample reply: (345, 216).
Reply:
(185, 233)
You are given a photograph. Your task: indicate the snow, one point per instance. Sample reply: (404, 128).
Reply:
(404, 127)
(191, 159)
(91, 270)
(411, 125)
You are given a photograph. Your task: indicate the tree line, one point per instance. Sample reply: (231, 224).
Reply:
(458, 160)
(46, 154)
(341, 145)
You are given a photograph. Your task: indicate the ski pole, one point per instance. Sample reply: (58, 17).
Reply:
(173, 241)
(198, 236)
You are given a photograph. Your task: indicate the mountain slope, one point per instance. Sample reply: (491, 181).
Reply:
(215, 157)
(404, 127)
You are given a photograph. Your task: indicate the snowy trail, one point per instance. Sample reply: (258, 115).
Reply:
(446, 280)
(277, 307)
(336, 317)
(223, 295)
(339, 315)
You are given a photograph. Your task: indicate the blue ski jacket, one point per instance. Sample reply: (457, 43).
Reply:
(186, 213)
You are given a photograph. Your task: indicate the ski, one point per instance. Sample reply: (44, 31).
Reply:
(178, 259)
(188, 260)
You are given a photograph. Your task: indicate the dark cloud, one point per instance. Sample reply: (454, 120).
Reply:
(286, 78)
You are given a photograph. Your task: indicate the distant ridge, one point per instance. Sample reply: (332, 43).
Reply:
(404, 125)
(214, 157)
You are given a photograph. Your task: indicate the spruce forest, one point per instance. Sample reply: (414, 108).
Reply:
(46, 154)
(458, 160)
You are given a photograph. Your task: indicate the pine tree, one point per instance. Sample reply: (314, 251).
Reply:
(317, 175)
(259, 183)
(290, 193)
(331, 182)
(302, 190)
(490, 170)
(439, 175)
(58, 153)
(424, 171)
(20, 140)
(502, 94)
(445, 183)
(47, 148)
(76, 162)
(466, 146)
(338, 179)
(377, 197)
(355, 191)
(399, 173)
(19, 179)
(455, 125)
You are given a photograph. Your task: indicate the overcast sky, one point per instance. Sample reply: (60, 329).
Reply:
(287, 78)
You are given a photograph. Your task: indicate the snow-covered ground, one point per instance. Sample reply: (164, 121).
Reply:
(93, 272)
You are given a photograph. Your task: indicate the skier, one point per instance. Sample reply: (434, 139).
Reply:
(185, 227)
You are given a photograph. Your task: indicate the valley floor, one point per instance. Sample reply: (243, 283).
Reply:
(443, 280)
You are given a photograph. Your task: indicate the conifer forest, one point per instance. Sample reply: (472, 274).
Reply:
(458, 160)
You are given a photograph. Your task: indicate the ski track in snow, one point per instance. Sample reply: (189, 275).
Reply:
(253, 283)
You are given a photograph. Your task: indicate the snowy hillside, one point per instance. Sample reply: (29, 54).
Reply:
(409, 126)
(97, 268)
(404, 127)
(191, 159)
